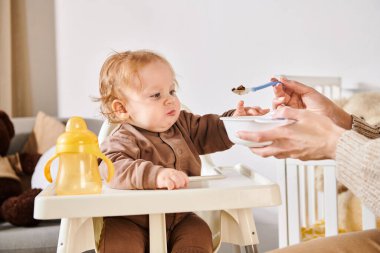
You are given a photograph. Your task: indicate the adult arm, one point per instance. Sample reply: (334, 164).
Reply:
(358, 162)
(315, 136)
(361, 126)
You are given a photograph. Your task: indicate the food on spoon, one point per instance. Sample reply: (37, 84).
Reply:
(240, 90)
(240, 87)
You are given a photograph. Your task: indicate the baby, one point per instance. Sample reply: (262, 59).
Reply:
(156, 146)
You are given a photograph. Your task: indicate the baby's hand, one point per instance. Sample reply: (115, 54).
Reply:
(171, 179)
(249, 111)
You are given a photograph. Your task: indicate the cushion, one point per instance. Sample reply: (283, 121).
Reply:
(6, 170)
(45, 133)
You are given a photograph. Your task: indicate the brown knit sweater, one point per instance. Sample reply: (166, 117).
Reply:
(358, 162)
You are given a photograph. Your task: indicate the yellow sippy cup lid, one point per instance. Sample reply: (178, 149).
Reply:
(77, 138)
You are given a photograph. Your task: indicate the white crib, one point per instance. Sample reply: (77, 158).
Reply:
(302, 205)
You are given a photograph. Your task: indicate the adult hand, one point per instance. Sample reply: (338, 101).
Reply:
(297, 95)
(171, 179)
(248, 111)
(311, 137)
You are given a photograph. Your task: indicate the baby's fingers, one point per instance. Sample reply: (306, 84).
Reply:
(170, 184)
(240, 110)
(180, 179)
(255, 111)
(263, 111)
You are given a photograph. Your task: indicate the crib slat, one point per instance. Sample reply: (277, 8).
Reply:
(330, 205)
(303, 195)
(368, 219)
(283, 235)
(293, 205)
(311, 196)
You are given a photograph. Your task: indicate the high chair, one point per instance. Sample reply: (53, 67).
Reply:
(303, 207)
(223, 196)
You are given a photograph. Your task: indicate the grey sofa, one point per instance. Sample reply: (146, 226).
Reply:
(44, 237)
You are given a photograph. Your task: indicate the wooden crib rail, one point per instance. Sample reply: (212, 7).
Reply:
(303, 206)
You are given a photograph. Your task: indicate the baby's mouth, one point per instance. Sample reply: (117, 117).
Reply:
(171, 113)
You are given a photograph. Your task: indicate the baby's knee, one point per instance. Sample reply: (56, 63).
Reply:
(191, 235)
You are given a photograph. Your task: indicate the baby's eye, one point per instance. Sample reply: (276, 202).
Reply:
(173, 92)
(157, 95)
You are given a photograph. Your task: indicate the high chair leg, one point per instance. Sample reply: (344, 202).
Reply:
(239, 228)
(248, 249)
(157, 233)
(251, 249)
(76, 235)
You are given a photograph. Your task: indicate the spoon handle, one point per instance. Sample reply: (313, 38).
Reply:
(256, 88)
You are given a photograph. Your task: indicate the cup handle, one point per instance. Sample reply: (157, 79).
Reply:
(110, 166)
(47, 168)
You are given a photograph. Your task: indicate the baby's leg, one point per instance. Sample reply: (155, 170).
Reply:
(191, 235)
(120, 235)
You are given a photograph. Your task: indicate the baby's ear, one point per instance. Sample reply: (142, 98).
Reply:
(120, 110)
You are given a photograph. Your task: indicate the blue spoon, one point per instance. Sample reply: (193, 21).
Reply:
(241, 90)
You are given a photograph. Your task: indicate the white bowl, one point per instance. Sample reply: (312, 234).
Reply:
(251, 123)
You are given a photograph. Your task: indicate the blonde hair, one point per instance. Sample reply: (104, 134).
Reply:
(121, 69)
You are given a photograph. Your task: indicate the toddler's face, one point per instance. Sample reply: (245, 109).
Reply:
(154, 107)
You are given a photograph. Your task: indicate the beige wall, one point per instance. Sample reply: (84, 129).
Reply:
(41, 40)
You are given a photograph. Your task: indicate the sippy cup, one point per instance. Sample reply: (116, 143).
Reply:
(78, 151)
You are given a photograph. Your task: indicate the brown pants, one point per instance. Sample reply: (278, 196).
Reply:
(364, 241)
(121, 235)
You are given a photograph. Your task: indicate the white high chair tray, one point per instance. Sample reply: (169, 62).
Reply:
(238, 187)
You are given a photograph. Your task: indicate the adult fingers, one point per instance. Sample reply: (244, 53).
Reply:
(288, 113)
(267, 151)
(278, 102)
(278, 149)
(294, 86)
(278, 90)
